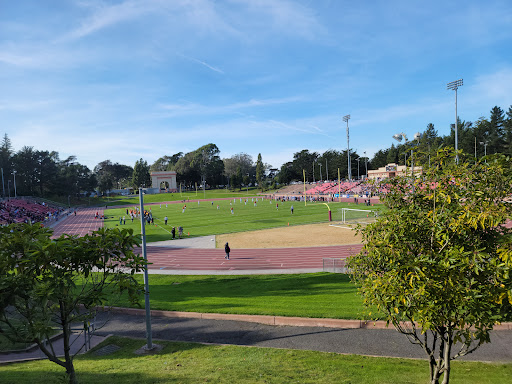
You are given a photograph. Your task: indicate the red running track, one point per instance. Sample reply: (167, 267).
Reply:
(189, 260)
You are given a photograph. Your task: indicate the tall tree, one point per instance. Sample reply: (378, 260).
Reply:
(437, 265)
(166, 163)
(141, 177)
(6, 154)
(496, 131)
(25, 166)
(260, 171)
(508, 131)
(304, 160)
(104, 177)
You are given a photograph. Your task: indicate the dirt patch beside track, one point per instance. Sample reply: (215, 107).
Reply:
(296, 236)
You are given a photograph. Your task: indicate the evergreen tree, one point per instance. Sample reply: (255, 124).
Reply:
(141, 177)
(508, 131)
(6, 153)
(260, 171)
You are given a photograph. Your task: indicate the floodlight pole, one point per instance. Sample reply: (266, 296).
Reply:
(366, 164)
(326, 170)
(320, 164)
(358, 159)
(3, 184)
(15, 194)
(149, 338)
(346, 118)
(454, 85)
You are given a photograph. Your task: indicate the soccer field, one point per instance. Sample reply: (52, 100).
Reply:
(207, 218)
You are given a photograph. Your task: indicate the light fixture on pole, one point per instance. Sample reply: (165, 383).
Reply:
(149, 333)
(346, 118)
(484, 143)
(417, 137)
(366, 165)
(454, 85)
(15, 194)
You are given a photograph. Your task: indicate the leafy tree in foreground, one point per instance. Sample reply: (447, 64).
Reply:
(438, 264)
(49, 283)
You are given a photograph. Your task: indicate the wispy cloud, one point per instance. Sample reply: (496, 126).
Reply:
(104, 16)
(201, 62)
(199, 109)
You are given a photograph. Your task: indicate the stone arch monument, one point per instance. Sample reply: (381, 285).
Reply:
(169, 177)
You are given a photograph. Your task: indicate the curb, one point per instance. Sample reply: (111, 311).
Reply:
(275, 320)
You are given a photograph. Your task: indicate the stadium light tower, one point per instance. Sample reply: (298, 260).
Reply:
(346, 118)
(366, 164)
(15, 194)
(454, 85)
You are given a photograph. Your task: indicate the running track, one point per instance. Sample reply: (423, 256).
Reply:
(172, 260)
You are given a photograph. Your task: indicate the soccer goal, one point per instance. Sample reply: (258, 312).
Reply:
(357, 216)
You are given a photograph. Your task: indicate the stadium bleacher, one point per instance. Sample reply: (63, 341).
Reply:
(25, 211)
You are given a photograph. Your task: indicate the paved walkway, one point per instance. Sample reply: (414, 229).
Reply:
(346, 340)
(77, 343)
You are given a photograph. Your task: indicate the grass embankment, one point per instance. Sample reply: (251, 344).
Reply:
(197, 363)
(323, 295)
(205, 219)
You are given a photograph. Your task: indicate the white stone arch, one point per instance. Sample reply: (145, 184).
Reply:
(157, 178)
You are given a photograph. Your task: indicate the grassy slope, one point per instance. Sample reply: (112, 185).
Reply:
(327, 295)
(195, 363)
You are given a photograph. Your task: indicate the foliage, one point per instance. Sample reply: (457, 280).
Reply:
(201, 165)
(166, 163)
(49, 283)
(493, 135)
(260, 172)
(140, 176)
(438, 263)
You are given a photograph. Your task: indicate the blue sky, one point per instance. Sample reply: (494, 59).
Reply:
(124, 80)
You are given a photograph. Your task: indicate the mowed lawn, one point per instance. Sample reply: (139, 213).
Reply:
(198, 363)
(191, 195)
(326, 295)
(215, 217)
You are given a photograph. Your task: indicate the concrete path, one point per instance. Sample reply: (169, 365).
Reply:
(371, 342)
(77, 346)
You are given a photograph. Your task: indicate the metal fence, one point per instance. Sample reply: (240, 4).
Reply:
(336, 265)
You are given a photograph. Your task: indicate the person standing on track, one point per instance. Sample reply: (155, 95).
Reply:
(180, 231)
(173, 233)
(227, 250)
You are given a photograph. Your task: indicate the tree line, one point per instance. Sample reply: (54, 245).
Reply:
(479, 138)
(42, 173)
(39, 173)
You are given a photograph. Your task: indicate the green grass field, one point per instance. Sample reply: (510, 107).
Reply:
(163, 197)
(197, 363)
(206, 219)
(327, 295)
